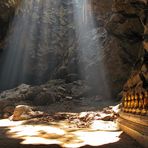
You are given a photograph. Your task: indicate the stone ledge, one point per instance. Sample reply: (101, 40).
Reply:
(143, 120)
(135, 126)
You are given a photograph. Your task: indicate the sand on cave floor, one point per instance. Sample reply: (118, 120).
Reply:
(71, 129)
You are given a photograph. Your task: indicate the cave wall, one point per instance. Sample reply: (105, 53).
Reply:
(7, 10)
(118, 28)
(125, 30)
(136, 87)
(61, 57)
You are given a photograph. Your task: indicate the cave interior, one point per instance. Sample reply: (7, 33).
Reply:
(73, 73)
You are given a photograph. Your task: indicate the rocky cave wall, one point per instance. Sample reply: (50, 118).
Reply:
(119, 30)
(136, 88)
(7, 10)
(62, 53)
(125, 44)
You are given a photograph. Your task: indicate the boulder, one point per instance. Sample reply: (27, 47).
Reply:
(24, 112)
(21, 112)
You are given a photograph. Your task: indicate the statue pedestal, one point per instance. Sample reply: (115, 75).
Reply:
(135, 126)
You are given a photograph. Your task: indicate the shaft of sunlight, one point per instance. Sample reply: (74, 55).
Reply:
(91, 65)
(26, 55)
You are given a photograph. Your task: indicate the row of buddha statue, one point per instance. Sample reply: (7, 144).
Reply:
(135, 102)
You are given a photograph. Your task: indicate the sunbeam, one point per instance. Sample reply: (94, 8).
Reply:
(89, 47)
(43, 34)
(28, 47)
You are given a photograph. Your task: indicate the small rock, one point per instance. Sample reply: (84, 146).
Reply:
(90, 116)
(108, 117)
(116, 109)
(68, 97)
(21, 112)
(82, 115)
(3, 95)
(107, 111)
(97, 118)
(9, 109)
(6, 115)
(45, 89)
(61, 88)
(24, 112)
(23, 91)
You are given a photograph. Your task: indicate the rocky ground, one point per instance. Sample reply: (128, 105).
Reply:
(59, 95)
(63, 129)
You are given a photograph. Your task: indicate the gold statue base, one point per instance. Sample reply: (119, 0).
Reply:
(134, 125)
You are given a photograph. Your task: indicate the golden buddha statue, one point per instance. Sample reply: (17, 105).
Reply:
(129, 103)
(140, 105)
(132, 102)
(145, 103)
(136, 101)
(126, 103)
(136, 105)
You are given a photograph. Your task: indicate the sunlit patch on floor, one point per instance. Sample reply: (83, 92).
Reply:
(58, 133)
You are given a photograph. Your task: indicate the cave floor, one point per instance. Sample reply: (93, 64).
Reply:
(79, 126)
(18, 135)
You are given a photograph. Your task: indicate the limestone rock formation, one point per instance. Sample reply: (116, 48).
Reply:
(62, 56)
(114, 44)
(135, 90)
(24, 112)
(53, 91)
(7, 10)
(125, 43)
